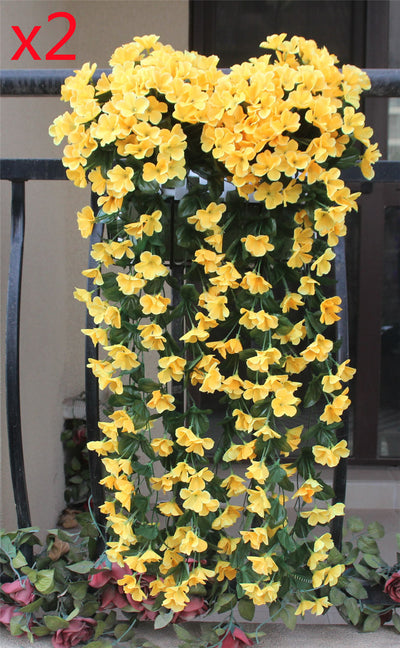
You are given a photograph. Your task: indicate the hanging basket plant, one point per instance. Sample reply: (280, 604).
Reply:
(217, 436)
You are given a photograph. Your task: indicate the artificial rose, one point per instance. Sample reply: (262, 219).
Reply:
(79, 436)
(104, 576)
(236, 639)
(112, 597)
(194, 608)
(7, 612)
(392, 587)
(20, 590)
(79, 630)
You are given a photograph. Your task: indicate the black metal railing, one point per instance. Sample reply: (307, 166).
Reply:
(385, 83)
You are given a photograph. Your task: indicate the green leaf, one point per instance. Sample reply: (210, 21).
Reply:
(225, 602)
(35, 605)
(352, 610)
(396, 621)
(367, 545)
(100, 643)
(147, 385)
(372, 623)
(362, 570)
(337, 597)
(163, 619)
(354, 588)
(183, 634)
(375, 530)
(288, 617)
(313, 393)
(82, 567)
(355, 524)
(45, 581)
(55, 623)
(78, 590)
(16, 625)
(19, 560)
(372, 561)
(246, 609)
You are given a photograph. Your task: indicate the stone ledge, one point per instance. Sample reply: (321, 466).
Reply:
(277, 636)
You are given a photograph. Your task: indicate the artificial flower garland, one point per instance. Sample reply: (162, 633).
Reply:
(198, 519)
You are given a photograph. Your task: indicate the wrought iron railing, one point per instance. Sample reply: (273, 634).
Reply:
(385, 83)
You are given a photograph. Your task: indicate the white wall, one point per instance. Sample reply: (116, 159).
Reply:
(52, 366)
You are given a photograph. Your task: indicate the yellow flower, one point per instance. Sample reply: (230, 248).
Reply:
(256, 537)
(329, 309)
(97, 335)
(86, 219)
(154, 304)
(151, 222)
(176, 597)
(240, 452)
(223, 569)
(291, 301)
(317, 606)
(191, 442)
(205, 219)
(307, 490)
(192, 543)
(284, 403)
(259, 502)
(161, 402)
(261, 596)
(151, 266)
(227, 518)
(333, 411)
(162, 446)
(255, 284)
(170, 509)
(234, 484)
(209, 259)
(264, 565)
(307, 285)
(228, 545)
(199, 501)
(322, 265)
(371, 155)
(130, 284)
(258, 471)
(318, 350)
(330, 456)
(258, 246)
(120, 180)
(172, 368)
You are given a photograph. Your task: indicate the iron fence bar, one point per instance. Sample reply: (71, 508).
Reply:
(12, 356)
(342, 333)
(92, 400)
(36, 83)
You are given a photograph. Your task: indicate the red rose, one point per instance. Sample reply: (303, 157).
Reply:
(194, 608)
(392, 587)
(104, 576)
(112, 598)
(79, 630)
(236, 639)
(21, 591)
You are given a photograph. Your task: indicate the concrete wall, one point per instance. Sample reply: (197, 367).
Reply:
(52, 367)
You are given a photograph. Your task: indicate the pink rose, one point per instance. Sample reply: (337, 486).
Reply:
(392, 587)
(236, 639)
(21, 591)
(7, 612)
(194, 608)
(79, 630)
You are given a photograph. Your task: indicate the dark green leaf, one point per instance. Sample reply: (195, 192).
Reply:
(372, 561)
(246, 609)
(354, 588)
(352, 610)
(337, 597)
(288, 617)
(372, 623)
(82, 567)
(54, 623)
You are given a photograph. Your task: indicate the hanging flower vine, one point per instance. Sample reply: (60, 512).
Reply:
(197, 511)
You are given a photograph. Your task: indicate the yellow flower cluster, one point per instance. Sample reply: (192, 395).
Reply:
(194, 506)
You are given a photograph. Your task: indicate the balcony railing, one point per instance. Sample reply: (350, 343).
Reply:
(385, 83)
